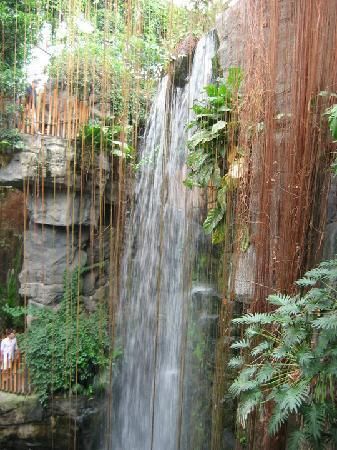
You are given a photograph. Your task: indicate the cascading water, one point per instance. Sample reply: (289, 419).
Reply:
(157, 267)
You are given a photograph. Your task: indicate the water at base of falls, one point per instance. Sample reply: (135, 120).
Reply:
(157, 268)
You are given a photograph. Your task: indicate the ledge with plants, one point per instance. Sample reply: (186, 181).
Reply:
(214, 157)
(66, 349)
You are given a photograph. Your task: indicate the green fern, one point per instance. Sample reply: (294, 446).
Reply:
(236, 361)
(289, 359)
(297, 440)
(314, 420)
(240, 344)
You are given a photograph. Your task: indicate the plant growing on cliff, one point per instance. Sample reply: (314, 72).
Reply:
(287, 359)
(213, 147)
(331, 113)
(96, 137)
(10, 297)
(65, 348)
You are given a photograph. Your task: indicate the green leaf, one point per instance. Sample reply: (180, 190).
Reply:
(198, 138)
(314, 418)
(212, 90)
(332, 120)
(265, 373)
(219, 234)
(243, 343)
(219, 126)
(257, 318)
(260, 348)
(296, 440)
(235, 77)
(213, 219)
(248, 405)
(235, 362)
(326, 322)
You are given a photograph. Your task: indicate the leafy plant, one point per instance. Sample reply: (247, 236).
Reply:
(332, 120)
(65, 348)
(98, 138)
(10, 140)
(287, 359)
(9, 296)
(213, 146)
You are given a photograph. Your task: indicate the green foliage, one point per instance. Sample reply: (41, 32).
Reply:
(213, 146)
(65, 348)
(9, 140)
(10, 298)
(288, 358)
(123, 58)
(331, 113)
(20, 22)
(332, 120)
(97, 138)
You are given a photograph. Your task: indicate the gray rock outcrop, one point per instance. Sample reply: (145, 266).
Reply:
(25, 424)
(63, 200)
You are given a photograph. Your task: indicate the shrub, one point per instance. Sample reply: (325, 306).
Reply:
(213, 147)
(66, 348)
(287, 359)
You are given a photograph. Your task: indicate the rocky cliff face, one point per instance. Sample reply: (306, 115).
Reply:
(62, 218)
(287, 159)
(77, 424)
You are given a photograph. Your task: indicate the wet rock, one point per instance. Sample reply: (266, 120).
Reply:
(182, 60)
(49, 252)
(40, 155)
(24, 424)
(229, 28)
(100, 295)
(62, 209)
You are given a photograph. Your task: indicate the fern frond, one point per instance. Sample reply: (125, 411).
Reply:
(258, 318)
(279, 299)
(294, 335)
(243, 343)
(304, 356)
(296, 440)
(326, 322)
(252, 331)
(244, 382)
(265, 374)
(278, 418)
(240, 386)
(291, 397)
(279, 353)
(306, 282)
(314, 418)
(247, 406)
(236, 362)
(260, 348)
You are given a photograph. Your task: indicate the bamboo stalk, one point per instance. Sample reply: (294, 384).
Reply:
(49, 113)
(43, 110)
(37, 122)
(54, 117)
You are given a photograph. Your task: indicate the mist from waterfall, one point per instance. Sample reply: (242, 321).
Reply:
(156, 274)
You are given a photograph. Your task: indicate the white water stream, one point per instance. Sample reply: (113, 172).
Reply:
(157, 267)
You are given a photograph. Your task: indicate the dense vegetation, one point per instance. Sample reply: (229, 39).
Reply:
(287, 360)
(213, 147)
(66, 349)
(10, 297)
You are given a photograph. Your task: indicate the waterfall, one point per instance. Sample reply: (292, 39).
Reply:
(156, 272)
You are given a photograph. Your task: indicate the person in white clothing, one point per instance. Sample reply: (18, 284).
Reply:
(8, 347)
